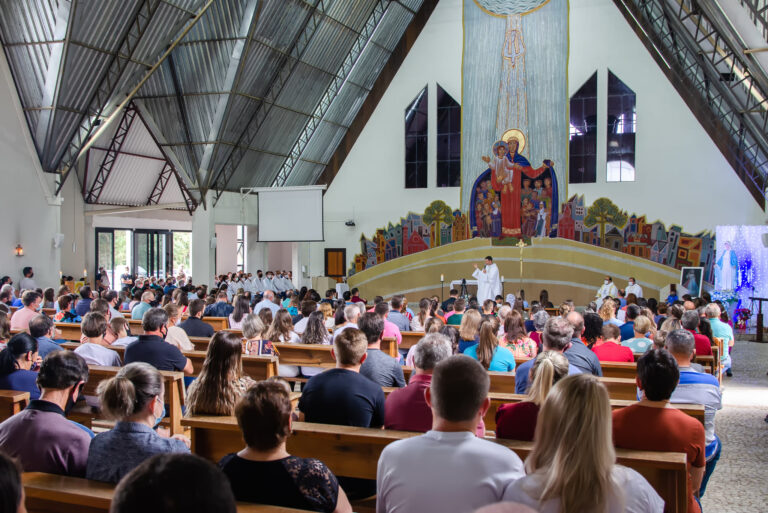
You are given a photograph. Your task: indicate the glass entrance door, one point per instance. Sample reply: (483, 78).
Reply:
(152, 253)
(113, 253)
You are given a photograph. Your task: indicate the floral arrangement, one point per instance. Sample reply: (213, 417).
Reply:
(726, 296)
(742, 317)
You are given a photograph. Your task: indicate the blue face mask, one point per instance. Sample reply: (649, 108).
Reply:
(159, 419)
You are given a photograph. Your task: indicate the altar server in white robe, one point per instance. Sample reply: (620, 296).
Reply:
(606, 289)
(488, 281)
(634, 288)
(268, 282)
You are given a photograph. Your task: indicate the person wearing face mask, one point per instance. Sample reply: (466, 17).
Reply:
(234, 285)
(27, 283)
(606, 289)
(151, 347)
(16, 363)
(32, 301)
(634, 288)
(268, 283)
(134, 398)
(41, 438)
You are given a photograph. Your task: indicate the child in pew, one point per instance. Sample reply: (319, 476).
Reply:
(572, 464)
(221, 381)
(120, 326)
(16, 363)
(134, 397)
(11, 489)
(263, 472)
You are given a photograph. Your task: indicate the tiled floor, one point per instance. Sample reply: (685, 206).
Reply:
(740, 481)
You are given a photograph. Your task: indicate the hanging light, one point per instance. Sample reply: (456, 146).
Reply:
(18, 251)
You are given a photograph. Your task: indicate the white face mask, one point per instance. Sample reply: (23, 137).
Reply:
(606, 282)
(631, 283)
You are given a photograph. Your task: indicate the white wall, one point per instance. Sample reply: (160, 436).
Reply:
(226, 248)
(681, 176)
(30, 213)
(370, 185)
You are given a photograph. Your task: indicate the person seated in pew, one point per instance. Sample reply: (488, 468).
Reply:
(174, 483)
(378, 366)
(5, 330)
(328, 318)
(407, 409)
(151, 347)
(264, 472)
(459, 309)
(448, 468)
(690, 322)
(608, 348)
(308, 307)
(66, 311)
(41, 437)
(194, 325)
(593, 329)
(314, 333)
(113, 301)
(221, 381)
(651, 425)
(176, 336)
(101, 306)
(43, 329)
(517, 421)
(515, 338)
(281, 332)
(571, 466)
(578, 353)
(434, 324)
(120, 326)
(134, 398)
(242, 308)
(138, 311)
(555, 337)
(540, 319)
(20, 319)
(350, 314)
(86, 298)
(639, 343)
(469, 329)
(697, 387)
(253, 331)
(488, 352)
(390, 329)
(11, 486)
(17, 362)
(94, 326)
(267, 302)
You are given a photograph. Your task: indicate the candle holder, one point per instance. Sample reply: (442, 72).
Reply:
(442, 286)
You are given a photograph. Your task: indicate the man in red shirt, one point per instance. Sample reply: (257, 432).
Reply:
(406, 409)
(652, 425)
(609, 348)
(690, 322)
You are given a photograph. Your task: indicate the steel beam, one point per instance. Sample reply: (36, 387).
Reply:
(88, 132)
(345, 70)
(299, 45)
(105, 169)
(160, 184)
(183, 113)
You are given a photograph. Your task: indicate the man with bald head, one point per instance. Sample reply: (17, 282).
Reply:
(579, 355)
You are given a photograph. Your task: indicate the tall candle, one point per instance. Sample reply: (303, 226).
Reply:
(442, 277)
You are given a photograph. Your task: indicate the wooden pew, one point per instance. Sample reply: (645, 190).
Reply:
(504, 382)
(256, 367)
(12, 402)
(497, 400)
(354, 452)
(410, 338)
(69, 331)
(51, 493)
(174, 397)
(50, 312)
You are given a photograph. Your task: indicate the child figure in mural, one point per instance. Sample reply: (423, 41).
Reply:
(488, 218)
(526, 192)
(548, 189)
(496, 220)
(529, 218)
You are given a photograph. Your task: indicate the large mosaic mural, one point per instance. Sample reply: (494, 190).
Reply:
(601, 224)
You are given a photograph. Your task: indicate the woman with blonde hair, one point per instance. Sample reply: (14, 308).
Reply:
(578, 472)
(649, 313)
(221, 381)
(515, 337)
(517, 421)
(607, 313)
(488, 352)
(469, 329)
(177, 336)
(328, 318)
(135, 399)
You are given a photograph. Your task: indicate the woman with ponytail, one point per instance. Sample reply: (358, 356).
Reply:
(517, 421)
(488, 352)
(572, 465)
(134, 398)
(16, 363)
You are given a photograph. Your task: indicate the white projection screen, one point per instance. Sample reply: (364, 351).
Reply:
(287, 215)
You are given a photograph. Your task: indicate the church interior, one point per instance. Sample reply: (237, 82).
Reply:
(251, 162)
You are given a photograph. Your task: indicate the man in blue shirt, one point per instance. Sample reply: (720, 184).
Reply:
(42, 328)
(220, 308)
(397, 318)
(169, 285)
(140, 309)
(152, 348)
(84, 305)
(578, 354)
(628, 328)
(556, 337)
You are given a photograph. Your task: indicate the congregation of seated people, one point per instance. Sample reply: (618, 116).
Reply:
(438, 387)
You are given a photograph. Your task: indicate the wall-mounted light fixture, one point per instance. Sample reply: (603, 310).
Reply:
(18, 251)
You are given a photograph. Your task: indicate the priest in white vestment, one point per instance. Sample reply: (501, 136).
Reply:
(488, 281)
(606, 289)
(634, 288)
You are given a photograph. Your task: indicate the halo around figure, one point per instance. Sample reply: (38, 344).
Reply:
(514, 133)
(503, 8)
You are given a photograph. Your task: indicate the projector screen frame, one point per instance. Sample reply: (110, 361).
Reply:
(246, 191)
